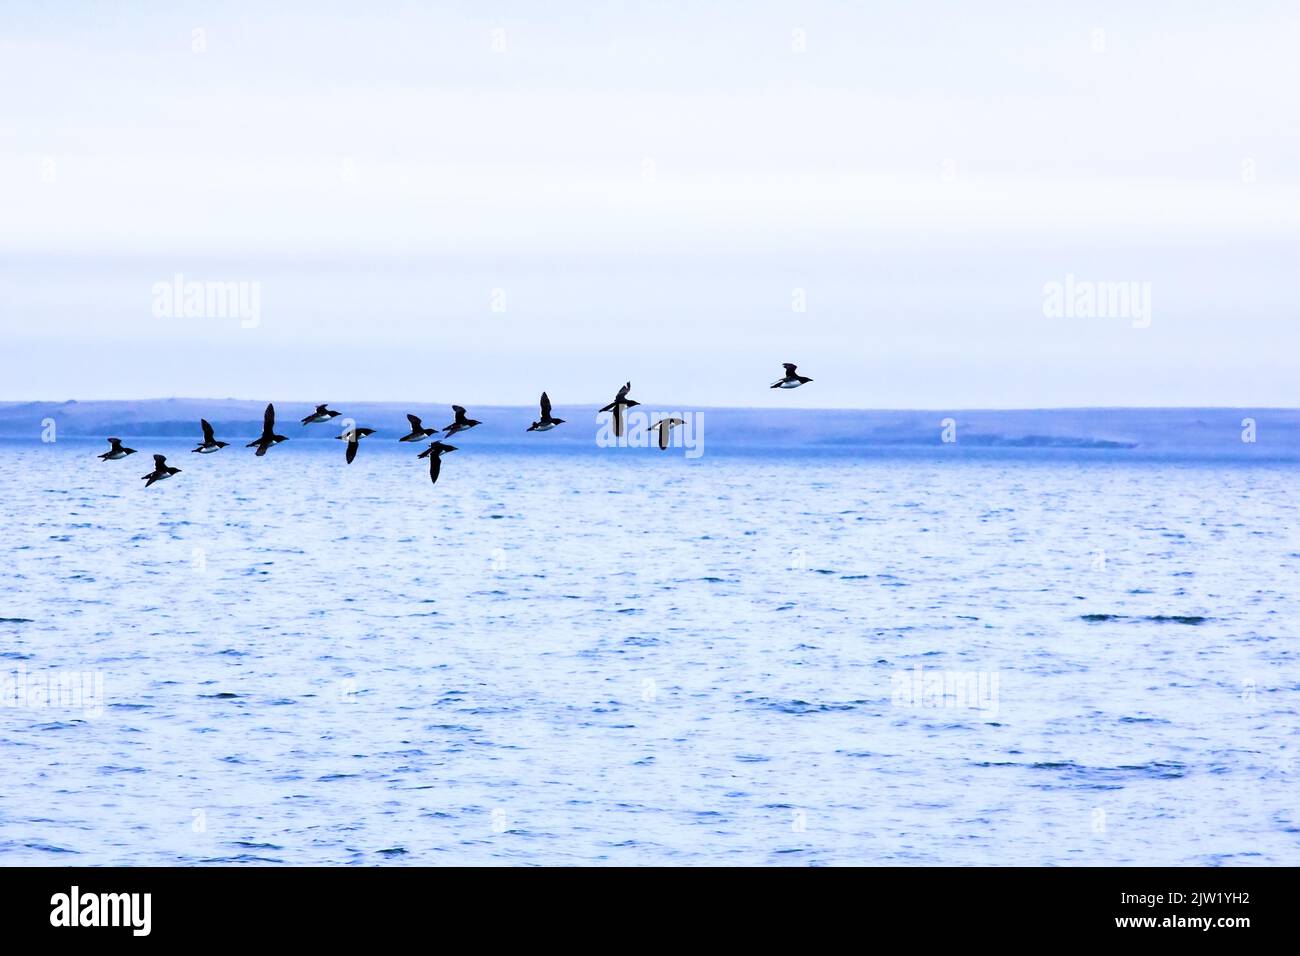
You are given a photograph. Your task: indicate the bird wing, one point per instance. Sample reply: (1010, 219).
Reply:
(207, 431)
(546, 406)
(664, 427)
(352, 449)
(435, 466)
(268, 418)
(789, 368)
(622, 392)
(460, 413)
(115, 442)
(416, 426)
(618, 420)
(160, 461)
(261, 448)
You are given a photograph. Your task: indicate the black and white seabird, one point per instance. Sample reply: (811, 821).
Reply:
(619, 407)
(461, 423)
(546, 422)
(353, 437)
(268, 436)
(160, 471)
(116, 450)
(434, 453)
(418, 431)
(664, 427)
(792, 378)
(209, 443)
(322, 414)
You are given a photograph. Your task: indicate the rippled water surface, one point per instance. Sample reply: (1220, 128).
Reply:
(633, 658)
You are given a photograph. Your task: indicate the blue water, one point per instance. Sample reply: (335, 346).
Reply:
(632, 658)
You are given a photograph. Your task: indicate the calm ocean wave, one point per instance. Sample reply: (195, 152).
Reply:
(634, 658)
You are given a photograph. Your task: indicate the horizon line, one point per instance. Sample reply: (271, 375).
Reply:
(758, 408)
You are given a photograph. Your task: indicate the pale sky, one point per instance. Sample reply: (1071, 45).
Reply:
(647, 191)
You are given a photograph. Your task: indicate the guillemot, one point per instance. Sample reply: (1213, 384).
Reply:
(792, 378)
(664, 428)
(268, 436)
(619, 407)
(434, 453)
(418, 431)
(546, 422)
(209, 443)
(353, 437)
(322, 414)
(461, 423)
(160, 471)
(116, 451)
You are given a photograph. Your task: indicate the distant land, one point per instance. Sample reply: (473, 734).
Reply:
(1162, 432)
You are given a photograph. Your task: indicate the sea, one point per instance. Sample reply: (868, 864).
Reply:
(624, 657)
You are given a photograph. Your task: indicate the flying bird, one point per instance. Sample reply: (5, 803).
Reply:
(619, 407)
(116, 451)
(418, 431)
(792, 378)
(461, 423)
(546, 422)
(160, 471)
(353, 437)
(268, 436)
(322, 414)
(209, 443)
(664, 428)
(434, 453)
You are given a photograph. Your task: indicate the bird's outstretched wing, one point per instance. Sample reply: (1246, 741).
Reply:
(618, 419)
(435, 467)
(622, 392)
(546, 406)
(160, 461)
(352, 449)
(268, 419)
(416, 425)
(208, 439)
(789, 368)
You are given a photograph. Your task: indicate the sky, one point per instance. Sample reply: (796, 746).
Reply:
(473, 202)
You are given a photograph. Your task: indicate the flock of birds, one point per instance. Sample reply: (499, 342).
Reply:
(437, 448)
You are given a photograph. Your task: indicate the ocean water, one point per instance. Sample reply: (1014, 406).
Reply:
(629, 657)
